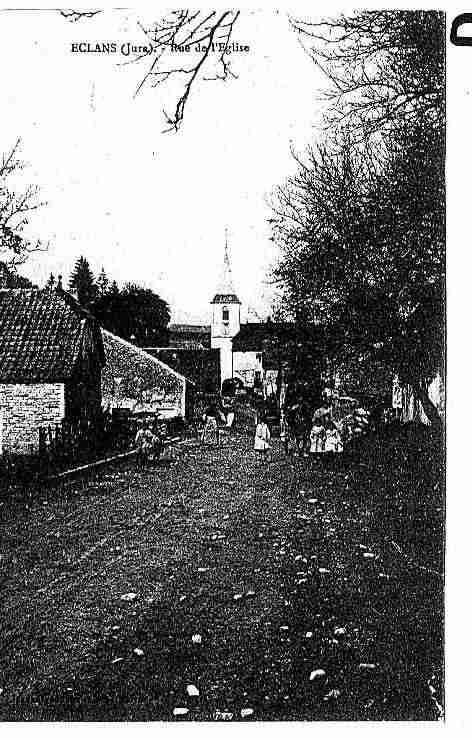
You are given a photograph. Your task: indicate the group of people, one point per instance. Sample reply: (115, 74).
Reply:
(317, 432)
(149, 442)
(215, 417)
(325, 436)
(303, 431)
(317, 435)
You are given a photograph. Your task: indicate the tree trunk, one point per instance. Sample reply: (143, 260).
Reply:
(429, 407)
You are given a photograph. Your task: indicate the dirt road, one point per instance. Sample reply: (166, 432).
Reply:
(216, 586)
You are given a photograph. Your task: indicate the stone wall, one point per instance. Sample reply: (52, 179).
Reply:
(133, 379)
(24, 408)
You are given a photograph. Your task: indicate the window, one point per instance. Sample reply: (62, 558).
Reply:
(225, 315)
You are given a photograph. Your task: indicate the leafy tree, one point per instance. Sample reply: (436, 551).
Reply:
(135, 313)
(114, 289)
(50, 284)
(83, 282)
(102, 283)
(361, 224)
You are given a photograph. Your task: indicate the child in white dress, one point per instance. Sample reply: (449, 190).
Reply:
(333, 443)
(317, 437)
(262, 438)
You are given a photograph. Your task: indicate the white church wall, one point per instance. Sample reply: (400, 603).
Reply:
(221, 328)
(226, 356)
(247, 365)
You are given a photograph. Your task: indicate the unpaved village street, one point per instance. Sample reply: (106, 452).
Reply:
(227, 589)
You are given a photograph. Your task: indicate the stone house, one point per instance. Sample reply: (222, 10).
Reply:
(132, 379)
(51, 358)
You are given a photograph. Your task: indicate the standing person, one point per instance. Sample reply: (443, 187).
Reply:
(284, 432)
(296, 426)
(262, 438)
(317, 437)
(144, 442)
(333, 443)
(211, 417)
(230, 415)
(159, 434)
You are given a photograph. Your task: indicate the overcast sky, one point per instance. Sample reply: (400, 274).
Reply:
(152, 207)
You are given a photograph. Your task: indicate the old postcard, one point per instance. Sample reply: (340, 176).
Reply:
(222, 361)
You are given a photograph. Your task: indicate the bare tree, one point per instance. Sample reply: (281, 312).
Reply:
(205, 37)
(383, 67)
(76, 15)
(15, 210)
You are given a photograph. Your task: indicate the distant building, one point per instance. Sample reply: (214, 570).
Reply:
(245, 350)
(186, 336)
(200, 365)
(51, 359)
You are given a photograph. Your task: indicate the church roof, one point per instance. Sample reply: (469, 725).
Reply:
(225, 292)
(258, 336)
(228, 298)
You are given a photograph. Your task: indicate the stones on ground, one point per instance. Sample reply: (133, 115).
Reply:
(222, 715)
(247, 712)
(182, 598)
(202, 569)
(317, 674)
(368, 555)
(237, 597)
(138, 651)
(129, 597)
(333, 694)
(250, 593)
(116, 661)
(322, 570)
(196, 638)
(340, 631)
(309, 634)
(312, 500)
(179, 711)
(192, 690)
(367, 667)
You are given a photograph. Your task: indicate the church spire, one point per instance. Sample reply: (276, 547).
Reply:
(225, 290)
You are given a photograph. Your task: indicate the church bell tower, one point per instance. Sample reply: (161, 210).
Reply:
(226, 317)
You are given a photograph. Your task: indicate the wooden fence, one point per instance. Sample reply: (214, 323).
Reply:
(73, 443)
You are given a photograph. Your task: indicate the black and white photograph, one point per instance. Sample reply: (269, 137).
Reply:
(222, 364)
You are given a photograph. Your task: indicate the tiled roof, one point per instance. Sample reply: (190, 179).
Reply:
(259, 336)
(221, 298)
(40, 335)
(186, 328)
